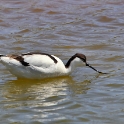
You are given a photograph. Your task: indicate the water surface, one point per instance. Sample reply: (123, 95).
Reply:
(63, 28)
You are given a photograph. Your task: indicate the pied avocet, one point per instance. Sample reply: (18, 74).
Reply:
(37, 65)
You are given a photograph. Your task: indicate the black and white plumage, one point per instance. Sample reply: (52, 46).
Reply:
(36, 65)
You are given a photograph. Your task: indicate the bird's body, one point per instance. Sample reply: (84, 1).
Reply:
(41, 65)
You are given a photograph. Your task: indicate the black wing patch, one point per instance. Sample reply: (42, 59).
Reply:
(20, 59)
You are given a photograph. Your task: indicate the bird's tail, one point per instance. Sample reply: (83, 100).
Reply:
(1, 55)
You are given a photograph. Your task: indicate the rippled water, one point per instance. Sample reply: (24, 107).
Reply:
(63, 28)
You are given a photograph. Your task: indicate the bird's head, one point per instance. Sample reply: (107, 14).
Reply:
(80, 59)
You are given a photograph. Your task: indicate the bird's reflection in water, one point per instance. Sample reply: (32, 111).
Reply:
(45, 92)
(42, 99)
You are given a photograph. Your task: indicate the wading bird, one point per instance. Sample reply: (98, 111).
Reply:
(35, 65)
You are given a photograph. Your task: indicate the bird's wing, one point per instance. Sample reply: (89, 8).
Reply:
(39, 60)
(28, 59)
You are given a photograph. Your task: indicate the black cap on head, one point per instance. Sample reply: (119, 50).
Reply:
(81, 56)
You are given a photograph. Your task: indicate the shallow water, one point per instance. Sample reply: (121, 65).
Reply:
(63, 28)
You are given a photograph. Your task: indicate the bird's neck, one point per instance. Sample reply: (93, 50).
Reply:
(69, 69)
(71, 65)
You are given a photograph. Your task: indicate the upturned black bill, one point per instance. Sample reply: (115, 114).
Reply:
(94, 69)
